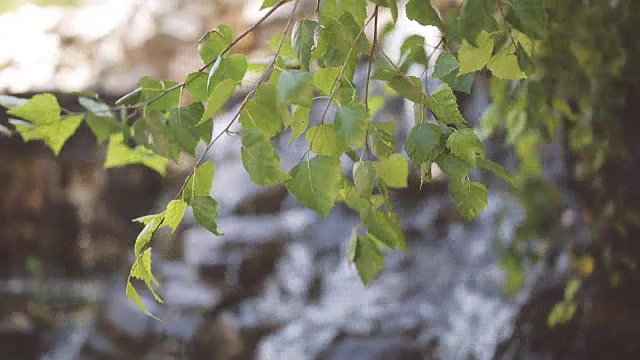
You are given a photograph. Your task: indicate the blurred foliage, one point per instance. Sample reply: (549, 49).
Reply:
(10, 5)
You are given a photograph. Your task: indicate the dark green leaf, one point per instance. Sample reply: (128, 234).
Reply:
(158, 92)
(295, 87)
(260, 159)
(422, 12)
(444, 106)
(197, 85)
(381, 138)
(131, 98)
(304, 40)
(452, 165)
(228, 67)
(315, 183)
(423, 143)
(385, 227)
(445, 65)
(205, 210)
(465, 144)
(335, 8)
(364, 178)
(103, 126)
(367, 258)
(214, 42)
(470, 197)
(351, 125)
(391, 4)
(476, 15)
(217, 98)
(532, 16)
(409, 87)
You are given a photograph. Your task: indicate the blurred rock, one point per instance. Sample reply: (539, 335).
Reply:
(372, 349)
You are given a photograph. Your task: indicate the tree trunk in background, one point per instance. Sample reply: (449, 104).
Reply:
(607, 322)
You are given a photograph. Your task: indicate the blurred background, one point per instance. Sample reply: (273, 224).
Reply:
(278, 284)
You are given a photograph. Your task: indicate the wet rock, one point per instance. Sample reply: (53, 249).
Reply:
(19, 338)
(266, 201)
(372, 349)
(218, 339)
(123, 325)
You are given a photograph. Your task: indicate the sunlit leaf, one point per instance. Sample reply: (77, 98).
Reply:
(393, 170)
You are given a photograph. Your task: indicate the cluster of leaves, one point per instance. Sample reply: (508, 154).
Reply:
(317, 57)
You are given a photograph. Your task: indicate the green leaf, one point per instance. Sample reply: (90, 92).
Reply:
(470, 197)
(257, 115)
(324, 78)
(200, 182)
(315, 183)
(445, 65)
(260, 159)
(385, 227)
(367, 258)
(231, 67)
(304, 40)
(476, 16)
(409, 87)
(152, 89)
(295, 87)
(444, 106)
(381, 138)
(119, 154)
(423, 143)
(141, 269)
(391, 4)
(422, 12)
(504, 65)
(214, 42)
(183, 130)
(351, 124)
(364, 177)
(174, 213)
(286, 50)
(393, 170)
(54, 134)
(131, 98)
(205, 210)
(219, 95)
(144, 237)
(103, 126)
(465, 144)
(474, 58)
(197, 85)
(532, 16)
(133, 295)
(458, 82)
(324, 140)
(496, 169)
(268, 4)
(453, 166)
(335, 8)
(41, 109)
(299, 122)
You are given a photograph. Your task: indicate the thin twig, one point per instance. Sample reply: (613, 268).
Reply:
(224, 51)
(264, 76)
(371, 56)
